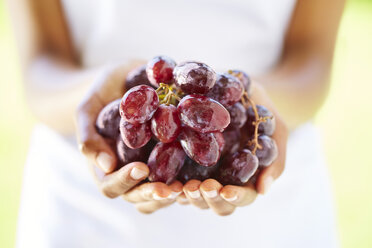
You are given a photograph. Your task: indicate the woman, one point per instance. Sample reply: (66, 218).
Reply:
(73, 48)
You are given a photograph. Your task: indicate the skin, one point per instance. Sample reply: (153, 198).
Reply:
(47, 55)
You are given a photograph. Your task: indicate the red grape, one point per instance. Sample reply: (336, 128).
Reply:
(165, 162)
(246, 132)
(201, 147)
(203, 114)
(238, 168)
(227, 90)
(244, 78)
(137, 77)
(238, 115)
(194, 77)
(193, 170)
(232, 137)
(107, 123)
(254, 178)
(268, 152)
(267, 127)
(220, 140)
(160, 70)
(166, 124)
(127, 155)
(139, 104)
(135, 135)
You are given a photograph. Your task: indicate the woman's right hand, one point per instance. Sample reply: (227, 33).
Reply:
(148, 197)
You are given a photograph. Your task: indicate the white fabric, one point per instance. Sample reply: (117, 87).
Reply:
(61, 206)
(225, 34)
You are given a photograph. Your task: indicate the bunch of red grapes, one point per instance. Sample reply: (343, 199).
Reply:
(188, 122)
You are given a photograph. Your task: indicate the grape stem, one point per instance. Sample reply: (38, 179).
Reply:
(166, 94)
(258, 120)
(235, 74)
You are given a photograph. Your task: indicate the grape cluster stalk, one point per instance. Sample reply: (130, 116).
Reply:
(247, 102)
(166, 94)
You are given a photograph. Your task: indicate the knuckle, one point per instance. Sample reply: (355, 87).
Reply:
(106, 192)
(124, 184)
(85, 147)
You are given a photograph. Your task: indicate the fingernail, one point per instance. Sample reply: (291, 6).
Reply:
(194, 194)
(173, 195)
(137, 174)
(105, 161)
(234, 198)
(267, 183)
(210, 194)
(183, 200)
(157, 197)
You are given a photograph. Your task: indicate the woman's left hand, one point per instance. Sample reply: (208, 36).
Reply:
(224, 199)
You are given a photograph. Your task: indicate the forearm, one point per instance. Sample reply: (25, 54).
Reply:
(298, 85)
(54, 88)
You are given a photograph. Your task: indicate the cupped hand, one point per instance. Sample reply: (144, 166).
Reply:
(224, 199)
(124, 182)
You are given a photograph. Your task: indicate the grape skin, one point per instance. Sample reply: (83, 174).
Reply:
(238, 168)
(238, 115)
(220, 140)
(107, 123)
(160, 70)
(232, 137)
(267, 127)
(203, 148)
(244, 78)
(139, 104)
(128, 155)
(135, 135)
(193, 170)
(165, 162)
(227, 90)
(268, 152)
(166, 124)
(137, 77)
(194, 77)
(203, 114)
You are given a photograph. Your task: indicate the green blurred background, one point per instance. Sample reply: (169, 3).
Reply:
(345, 120)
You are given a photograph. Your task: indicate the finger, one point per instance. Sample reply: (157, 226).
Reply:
(210, 189)
(121, 181)
(176, 188)
(181, 199)
(239, 195)
(150, 192)
(152, 206)
(192, 193)
(157, 200)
